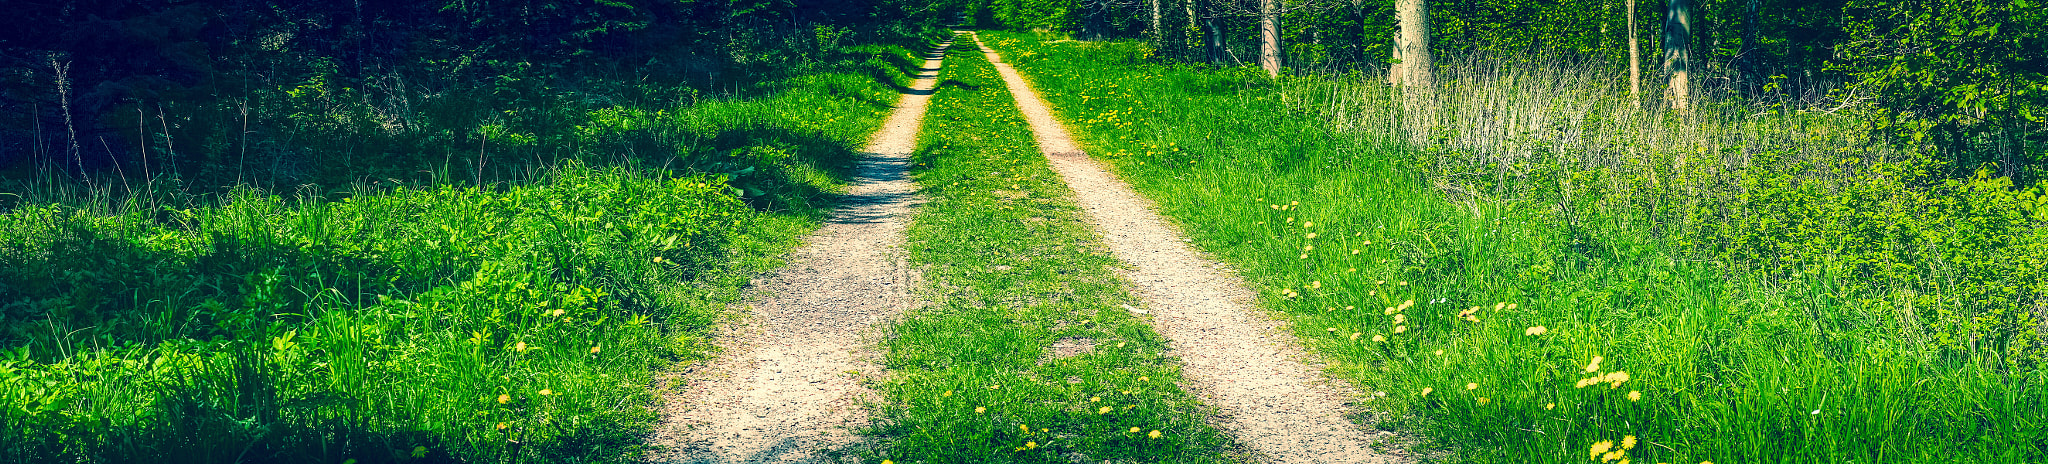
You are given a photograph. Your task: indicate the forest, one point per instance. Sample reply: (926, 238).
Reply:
(1506, 230)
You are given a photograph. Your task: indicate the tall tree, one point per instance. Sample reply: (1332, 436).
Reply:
(1212, 34)
(1745, 59)
(1411, 46)
(1269, 36)
(1158, 27)
(1635, 59)
(1678, 53)
(1191, 41)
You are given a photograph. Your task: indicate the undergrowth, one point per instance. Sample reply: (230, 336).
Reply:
(1027, 352)
(1527, 280)
(400, 321)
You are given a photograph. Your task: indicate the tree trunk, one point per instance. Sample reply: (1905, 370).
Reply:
(1158, 28)
(1635, 59)
(1214, 36)
(1746, 59)
(1189, 39)
(1678, 54)
(1269, 37)
(1411, 45)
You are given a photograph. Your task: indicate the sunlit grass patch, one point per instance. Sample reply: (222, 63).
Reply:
(1029, 351)
(1779, 305)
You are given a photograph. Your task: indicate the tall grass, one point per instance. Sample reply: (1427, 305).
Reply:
(1775, 286)
(398, 321)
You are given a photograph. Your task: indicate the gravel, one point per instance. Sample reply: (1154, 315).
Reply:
(1235, 359)
(786, 387)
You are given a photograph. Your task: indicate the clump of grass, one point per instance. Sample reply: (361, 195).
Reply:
(1028, 353)
(1798, 301)
(517, 322)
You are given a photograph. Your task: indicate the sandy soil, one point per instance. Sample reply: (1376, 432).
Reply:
(1236, 360)
(786, 386)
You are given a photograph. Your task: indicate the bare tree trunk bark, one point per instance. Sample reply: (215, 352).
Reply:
(1412, 45)
(1635, 59)
(1269, 37)
(1678, 54)
(1158, 27)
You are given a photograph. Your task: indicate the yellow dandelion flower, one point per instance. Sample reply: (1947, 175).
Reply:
(1400, 318)
(1549, 406)
(1400, 328)
(594, 350)
(1615, 378)
(1537, 330)
(504, 398)
(1635, 395)
(519, 347)
(1025, 428)
(1330, 329)
(1096, 399)
(1498, 306)
(1512, 306)
(1379, 338)
(1144, 379)
(980, 409)
(1628, 442)
(885, 461)
(1595, 365)
(1155, 434)
(1354, 336)
(1304, 256)
(1426, 390)
(1613, 455)
(949, 393)
(502, 425)
(1308, 224)
(1030, 445)
(1311, 235)
(1134, 430)
(546, 392)
(1600, 448)
(1390, 310)
(1472, 386)
(1406, 304)
(1104, 410)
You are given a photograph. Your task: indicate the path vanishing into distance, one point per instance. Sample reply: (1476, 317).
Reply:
(1238, 361)
(787, 384)
(784, 388)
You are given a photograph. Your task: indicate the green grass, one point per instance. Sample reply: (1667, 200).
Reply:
(1012, 273)
(1770, 301)
(515, 322)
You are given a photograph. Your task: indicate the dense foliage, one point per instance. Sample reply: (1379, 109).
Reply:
(1966, 78)
(282, 92)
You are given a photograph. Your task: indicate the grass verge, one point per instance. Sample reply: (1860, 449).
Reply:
(1028, 352)
(515, 322)
(1579, 322)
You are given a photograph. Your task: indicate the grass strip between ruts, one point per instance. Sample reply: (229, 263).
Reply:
(1027, 351)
